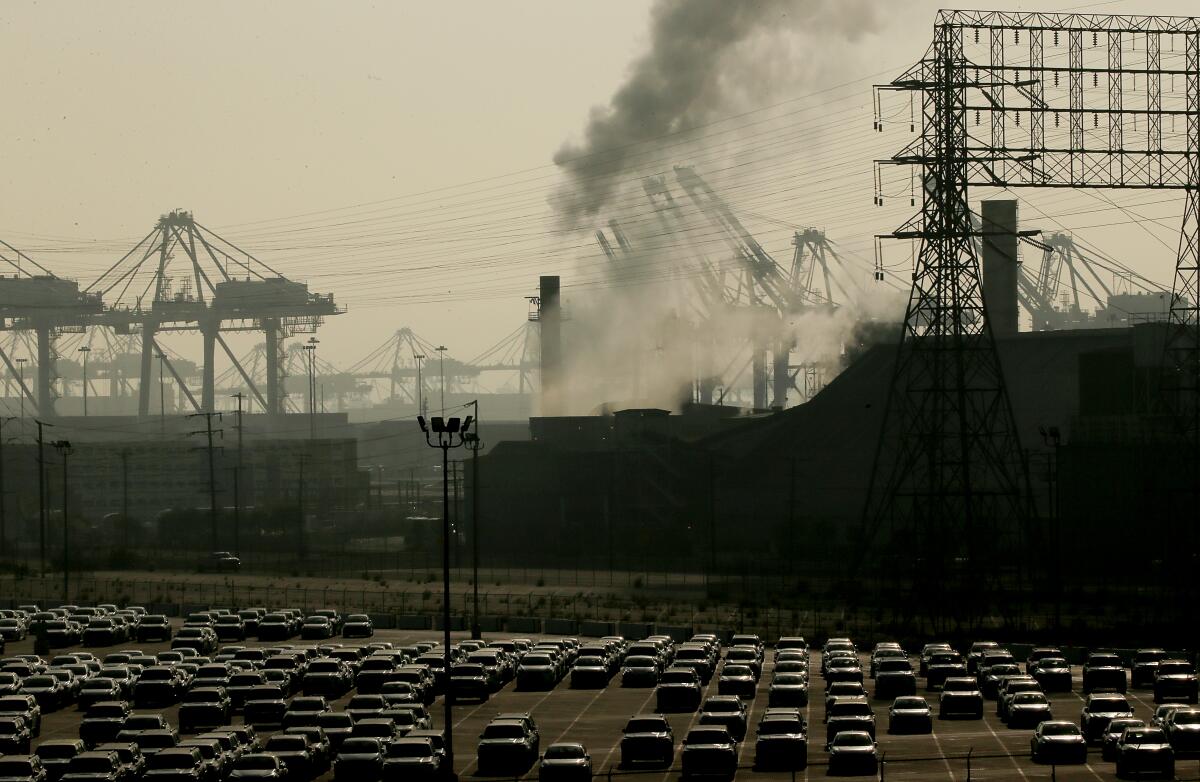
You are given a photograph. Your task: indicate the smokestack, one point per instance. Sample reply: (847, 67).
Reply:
(550, 325)
(1000, 265)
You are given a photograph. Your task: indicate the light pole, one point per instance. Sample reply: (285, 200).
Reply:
(64, 447)
(162, 395)
(441, 349)
(1052, 437)
(311, 348)
(21, 375)
(85, 350)
(444, 430)
(474, 444)
(420, 386)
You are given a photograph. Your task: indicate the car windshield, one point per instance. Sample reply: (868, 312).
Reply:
(359, 746)
(106, 710)
(335, 719)
(15, 768)
(255, 763)
(536, 659)
(960, 685)
(1145, 736)
(324, 666)
(778, 727)
(890, 664)
(737, 670)
(945, 658)
(1176, 669)
(1059, 729)
(40, 681)
(565, 751)
(911, 703)
(704, 736)
(1147, 657)
(850, 709)
(789, 678)
(1186, 717)
(678, 677)
(721, 706)
(1052, 662)
(1030, 697)
(589, 662)
(852, 739)
(1104, 705)
(504, 730)
(640, 662)
(646, 726)
(411, 749)
(286, 743)
(468, 670)
(99, 684)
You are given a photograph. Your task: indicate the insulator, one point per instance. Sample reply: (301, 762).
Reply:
(1056, 37)
(1017, 118)
(1095, 39)
(1056, 78)
(1016, 36)
(1056, 119)
(976, 116)
(912, 201)
(1095, 120)
(976, 35)
(1095, 80)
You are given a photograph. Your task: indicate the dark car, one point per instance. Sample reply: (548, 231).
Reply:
(338, 726)
(265, 705)
(1112, 734)
(853, 752)
(590, 671)
(131, 757)
(202, 639)
(295, 753)
(1037, 655)
(1104, 672)
(241, 685)
(1183, 729)
(412, 758)
(976, 652)
(154, 627)
(638, 671)
(102, 722)
(993, 676)
(941, 665)
(537, 671)
(727, 710)
(1098, 710)
(96, 690)
(304, 711)
(647, 739)
(709, 749)
(1009, 689)
(1054, 674)
(565, 761)
(57, 754)
(894, 677)
(737, 679)
(960, 698)
(275, 627)
(1058, 741)
(365, 706)
(851, 713)
(678, 690)
(1028, 709)
(506, 745)
(844, 669)
(204, 708)
(15, 735)
(470, 681)
(24, 706)
(358, 626)
(910, 714)
(781, 742)
(788, 689)
(175, 764)
(258, 766)
(103, 631)
(359, 759)
(230, 627)
(316, 628)
(1145, 749)
(1145, 664)
(160, 685)
(24, 767)
(328, 676)
(1175, 679)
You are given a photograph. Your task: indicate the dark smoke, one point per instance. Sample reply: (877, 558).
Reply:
(684, 81)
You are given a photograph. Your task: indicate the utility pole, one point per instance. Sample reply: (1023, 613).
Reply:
(474, 443)
(237, 474)
(85, 350)
(64, 447)
(420, 386)
(301, 544)
(21, 374)
(41, 496)
(3, 495)
(125, 498)
(212, 470)
(162, 396)
(441, 349)
(311, 349)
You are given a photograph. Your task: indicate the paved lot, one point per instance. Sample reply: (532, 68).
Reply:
(595, 718)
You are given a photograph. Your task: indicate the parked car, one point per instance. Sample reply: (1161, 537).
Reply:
(153, 627)
(853, 752)
(781, 741)
(960, 697)
(506, 745)
(1183, 729)
(57, 754)
(359, 759)
(317, 628)
(204, 708)
(1145, 749)
(1054, 674)
(910, 714)
(358, 626)
(788, 690)
(647, 739)
(1112, 734)
(1058, 741)
(727, 710)
(678, 690)
(1175, 679)
(413, 758)
(1145, 665)
(567, 761)
(1028, 710)
(852, 713)
(102, 722)
(259, 766)
(24, 767)
(709, 749)
(1098, 710)
(1104, 672)
(15, 735)
(737, 679)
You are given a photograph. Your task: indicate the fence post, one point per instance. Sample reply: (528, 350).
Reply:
(969, 751)
(1053, 772)
(883, 768)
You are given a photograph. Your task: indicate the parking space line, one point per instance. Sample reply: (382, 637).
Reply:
(641, 710)
(1005, 750)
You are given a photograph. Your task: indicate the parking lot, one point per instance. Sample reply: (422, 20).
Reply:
(957, 749)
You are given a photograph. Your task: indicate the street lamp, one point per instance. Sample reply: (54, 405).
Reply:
(21, 374)
(64, 447)
(473, 443)
(85, 350)
(440, 433)
(311, 348)
(420, 386)
(441, 349)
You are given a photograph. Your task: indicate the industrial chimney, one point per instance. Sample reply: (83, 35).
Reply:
(550, 326)
(1000, 265)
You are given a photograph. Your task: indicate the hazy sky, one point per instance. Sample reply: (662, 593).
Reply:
(398, 154)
